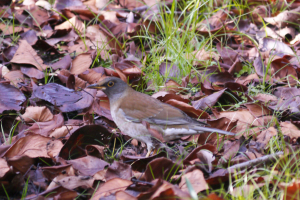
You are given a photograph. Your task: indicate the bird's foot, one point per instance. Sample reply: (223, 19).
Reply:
(150, 151)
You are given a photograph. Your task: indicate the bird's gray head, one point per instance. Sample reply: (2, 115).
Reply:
(111, 86)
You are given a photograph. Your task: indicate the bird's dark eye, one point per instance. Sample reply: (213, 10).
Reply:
(110, 84)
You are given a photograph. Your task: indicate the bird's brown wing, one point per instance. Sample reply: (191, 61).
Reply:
(153, 111)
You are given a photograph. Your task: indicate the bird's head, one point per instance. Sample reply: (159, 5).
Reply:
(111, 86)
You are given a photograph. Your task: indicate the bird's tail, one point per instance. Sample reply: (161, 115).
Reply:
(207, 129)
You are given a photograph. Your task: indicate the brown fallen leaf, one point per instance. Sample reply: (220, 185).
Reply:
(118, 170)
(27, 55)
(264, 137)
(285, 18)
(81, 63)
(33, 146)
(4, 168)
(73, 23)
(122, 195)
(110, 187)
(86, 135)
(88, 165)
(290, 130)
(196, 179)
(15, 77)
(160, 168)
(51, 172)
(291, 190)
(11, 98)
(72, 182)
(36, 114)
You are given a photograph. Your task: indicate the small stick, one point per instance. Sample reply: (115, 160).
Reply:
(256, 161)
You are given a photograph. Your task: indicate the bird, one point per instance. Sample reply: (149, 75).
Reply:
(147, 119)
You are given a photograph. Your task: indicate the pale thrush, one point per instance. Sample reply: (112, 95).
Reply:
(139, 115)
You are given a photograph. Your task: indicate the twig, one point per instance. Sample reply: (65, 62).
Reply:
(256, 161)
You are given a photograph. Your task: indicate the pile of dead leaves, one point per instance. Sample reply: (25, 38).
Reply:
(58, 139)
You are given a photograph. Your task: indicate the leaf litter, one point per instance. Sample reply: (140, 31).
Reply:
(59, 141)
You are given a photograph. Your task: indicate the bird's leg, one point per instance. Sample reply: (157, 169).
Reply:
(155, 151)
(149, 151)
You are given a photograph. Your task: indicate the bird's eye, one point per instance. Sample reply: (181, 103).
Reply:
(110, 84)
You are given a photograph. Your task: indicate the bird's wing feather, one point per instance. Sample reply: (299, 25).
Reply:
(153, 111)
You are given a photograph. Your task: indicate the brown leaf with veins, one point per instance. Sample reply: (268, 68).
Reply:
(72, 182)
(290, 130)
(27, 55)
(110, 187)
(36, 114)
(33, 146)
(118, 170)
(15, 77)
(264, 137)
(81, 63)
(48, 127)
(196, 179)
(73, 23)
(88, 165)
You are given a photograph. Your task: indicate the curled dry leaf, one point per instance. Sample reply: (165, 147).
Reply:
(27, 55)
(206, 158)
(110, 187)
(140, 163)
(61, 132)
(196, 179)
(192, 157)
(36, 114)
(165, 96)
(161, 168)
(86, 135)
(72, 23)
(208, 101)
(48, 127)
(285, 18)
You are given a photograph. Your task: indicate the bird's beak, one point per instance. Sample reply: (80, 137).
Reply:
(96, 86)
